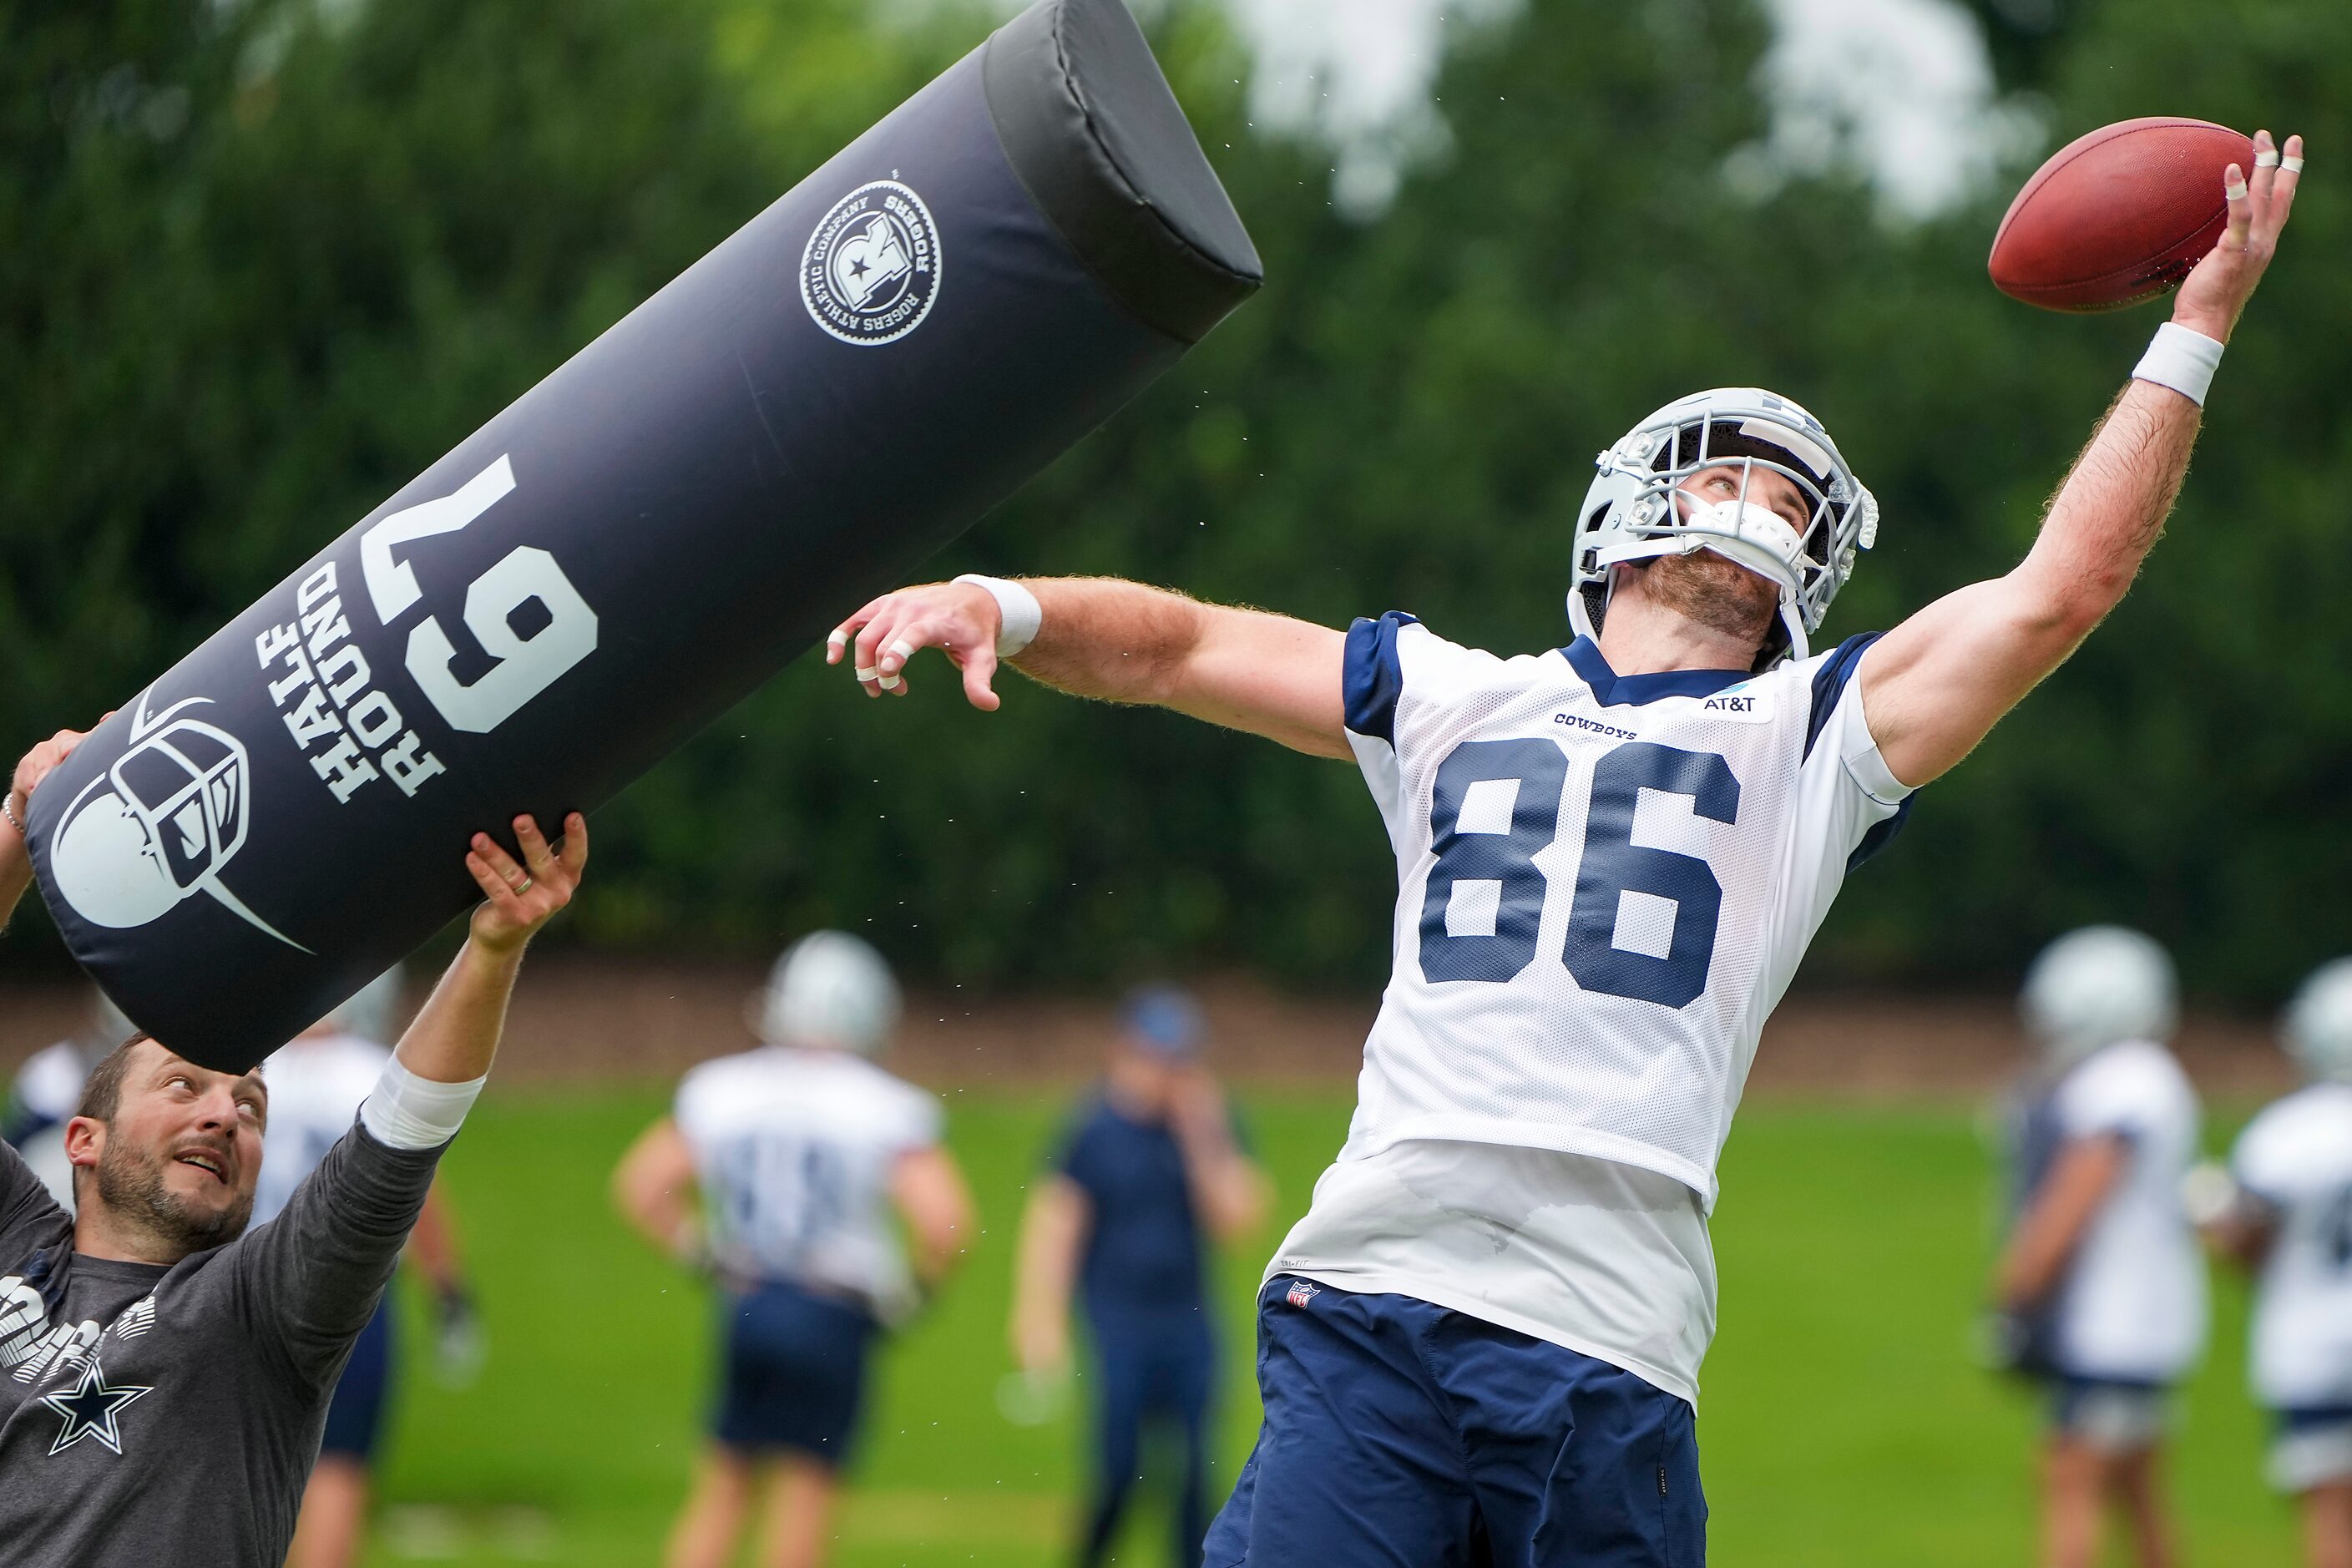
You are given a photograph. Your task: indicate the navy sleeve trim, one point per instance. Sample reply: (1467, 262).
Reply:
(1880, 836)
(1830, 682)
(1371, 679)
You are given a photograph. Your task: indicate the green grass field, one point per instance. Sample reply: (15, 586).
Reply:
(1842, 1421)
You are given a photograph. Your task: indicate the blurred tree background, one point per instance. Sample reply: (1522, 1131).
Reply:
(260, 262)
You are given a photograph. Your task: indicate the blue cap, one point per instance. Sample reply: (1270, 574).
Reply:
(1163, 1020)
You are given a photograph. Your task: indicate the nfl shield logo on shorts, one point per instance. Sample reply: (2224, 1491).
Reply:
(1303, 1291)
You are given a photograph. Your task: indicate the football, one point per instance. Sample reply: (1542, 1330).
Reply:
(2119, 216)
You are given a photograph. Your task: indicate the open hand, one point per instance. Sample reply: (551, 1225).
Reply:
(519, 899)
(958, 618)
(2219, 285)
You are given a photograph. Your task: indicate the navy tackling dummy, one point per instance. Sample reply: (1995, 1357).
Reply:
(807, 1153)
(165, 1370)
(1482, 1343)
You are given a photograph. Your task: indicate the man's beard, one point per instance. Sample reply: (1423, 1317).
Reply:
(1703, 586)
(131, 1182)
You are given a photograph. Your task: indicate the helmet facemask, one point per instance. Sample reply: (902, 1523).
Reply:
(1637, 510)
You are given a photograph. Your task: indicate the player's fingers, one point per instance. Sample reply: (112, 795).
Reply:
(837, 644)
(535, 855)
(2267, 166)
(865, 651)
(575, 844)
(979, 678)
(2241, 208)
(495, 888)
(2283, 188)
(500, 861)
(909, 639)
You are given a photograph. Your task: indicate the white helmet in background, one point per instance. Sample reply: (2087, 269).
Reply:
(372, 1012)
(1634, 510)
(2094, 987)
(2319, 1023)
(829, 989)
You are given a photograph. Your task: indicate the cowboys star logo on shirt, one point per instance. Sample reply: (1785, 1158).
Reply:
(91, 1408)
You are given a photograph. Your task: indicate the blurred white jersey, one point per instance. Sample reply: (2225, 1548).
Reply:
(47, 1093)
(315, 1090)
(47, 1090)
(2297, 1158)
(2131, 1306)
(1604, 885)
(794, 1150)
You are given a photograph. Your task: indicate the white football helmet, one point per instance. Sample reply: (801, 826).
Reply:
(2094, 987)
(831, 990)
(2319, 1023)
(1632, 511)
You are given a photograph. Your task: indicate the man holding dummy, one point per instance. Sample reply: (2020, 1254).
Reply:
(164, 1372)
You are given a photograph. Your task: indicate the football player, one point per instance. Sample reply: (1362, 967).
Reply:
(1610, 858)
(802, 1151)
(2290, 1219)
(2101, 1280)
(316, 1084)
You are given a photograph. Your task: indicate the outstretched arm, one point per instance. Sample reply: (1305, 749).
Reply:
(456, 1032)
(1120, 642)
(1936, 685)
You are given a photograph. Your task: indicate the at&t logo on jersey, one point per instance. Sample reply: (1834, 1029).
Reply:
(871, 271)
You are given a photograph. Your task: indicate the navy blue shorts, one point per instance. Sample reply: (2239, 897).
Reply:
(1401, 1434)
(355, 1414)
(794, 1375)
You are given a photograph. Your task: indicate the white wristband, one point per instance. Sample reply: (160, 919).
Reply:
(2182, 360)
(405, 1112)
(1022, 612)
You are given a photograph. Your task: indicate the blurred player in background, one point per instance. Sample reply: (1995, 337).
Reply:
(1485, 1335)
(49, 1086)
(799, 1151)
(2289, 1218)
(1150, 1162)
(2101, 1288)
(316, 1084)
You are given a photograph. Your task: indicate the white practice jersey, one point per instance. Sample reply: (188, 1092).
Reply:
(2131, 1306)
(794, 1150)
(44, 1097)
(2296, 1160)
(48, 1085)
(315, 1090)
(1604, 885)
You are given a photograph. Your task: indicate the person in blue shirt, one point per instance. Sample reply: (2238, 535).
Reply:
(1149, 1165)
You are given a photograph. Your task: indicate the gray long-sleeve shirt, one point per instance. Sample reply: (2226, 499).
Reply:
(171, 1415)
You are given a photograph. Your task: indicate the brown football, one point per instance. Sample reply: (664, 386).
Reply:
(2118, 216)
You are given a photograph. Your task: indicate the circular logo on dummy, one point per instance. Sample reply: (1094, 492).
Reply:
(872, 269)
